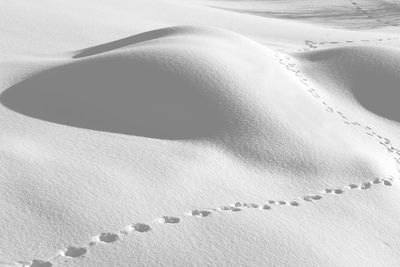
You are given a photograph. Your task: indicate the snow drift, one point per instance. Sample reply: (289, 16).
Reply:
(128, 138)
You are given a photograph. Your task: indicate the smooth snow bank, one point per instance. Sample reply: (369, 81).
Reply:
(215, 144)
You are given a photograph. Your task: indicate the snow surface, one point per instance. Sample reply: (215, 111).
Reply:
(199, 133)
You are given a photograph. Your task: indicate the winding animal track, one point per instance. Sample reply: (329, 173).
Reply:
(107, 238)
(288, 63)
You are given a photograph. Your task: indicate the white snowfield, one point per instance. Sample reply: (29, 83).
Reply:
(199, 133)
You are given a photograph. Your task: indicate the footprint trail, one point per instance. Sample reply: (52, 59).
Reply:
(108, 238)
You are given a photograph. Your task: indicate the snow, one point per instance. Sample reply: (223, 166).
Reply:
(199, 133)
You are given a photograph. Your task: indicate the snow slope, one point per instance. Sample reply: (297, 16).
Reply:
(180, 133)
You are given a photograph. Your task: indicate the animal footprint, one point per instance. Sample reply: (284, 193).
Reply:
(334, 191)
(366, 185)
(329, 109)
(200, 213)
(338, 191)
(254, 206)
(169, 219)
(265, 207)
(316, 197)
(40, 263)
(377, 181)
(306, 198)
(352, 186)
(228, 208)
(238, 204)
(386, 182)
(74, 252)
(141, 227)
(108, 237)
(294, 203)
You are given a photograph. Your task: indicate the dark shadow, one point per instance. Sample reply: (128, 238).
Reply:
(372, 75)
(131, 40)
(122, 94)
(378, 91)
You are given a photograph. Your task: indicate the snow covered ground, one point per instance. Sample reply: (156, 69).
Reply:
(199, 133)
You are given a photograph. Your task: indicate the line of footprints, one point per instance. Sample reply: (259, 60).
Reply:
(142, 228)
(313, 45)
(358, 7)
(288, 63)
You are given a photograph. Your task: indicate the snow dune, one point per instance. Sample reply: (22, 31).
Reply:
(206, 137)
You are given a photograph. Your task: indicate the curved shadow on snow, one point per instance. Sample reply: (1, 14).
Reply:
(138, 38)
(120, 94)
(370, 73)
(131, 40)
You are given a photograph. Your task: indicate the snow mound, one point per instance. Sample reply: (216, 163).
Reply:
(174, 89)
(367, 75)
